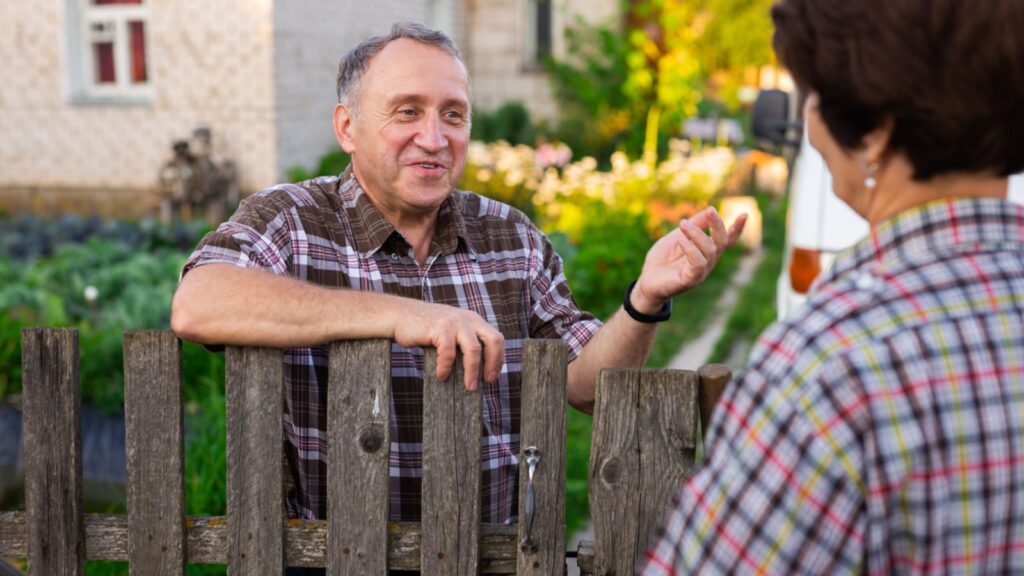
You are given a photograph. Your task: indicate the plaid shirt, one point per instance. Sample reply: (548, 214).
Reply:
(881, 429)
(485, 257)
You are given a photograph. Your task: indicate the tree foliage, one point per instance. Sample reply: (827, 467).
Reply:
(630, 89)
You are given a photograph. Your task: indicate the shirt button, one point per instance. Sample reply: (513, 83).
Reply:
(394, 256)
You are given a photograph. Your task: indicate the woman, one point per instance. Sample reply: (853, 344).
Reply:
(881, 429)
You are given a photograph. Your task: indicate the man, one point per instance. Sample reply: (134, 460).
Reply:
(390, 249)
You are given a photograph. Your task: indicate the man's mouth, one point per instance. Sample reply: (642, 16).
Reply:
(429, 165)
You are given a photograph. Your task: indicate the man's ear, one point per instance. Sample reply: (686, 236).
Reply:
(343, 128)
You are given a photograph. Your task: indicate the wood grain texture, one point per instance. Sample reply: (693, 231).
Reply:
(154, 442)
(667, 440)
(615, 471)
(255, 481)
(585, 557)
(106, 538)
(544, 397)
(53, 451)
(451, 472)
(713, 380)
(359, 440)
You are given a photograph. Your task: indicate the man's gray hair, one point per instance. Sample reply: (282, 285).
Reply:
(354, 64)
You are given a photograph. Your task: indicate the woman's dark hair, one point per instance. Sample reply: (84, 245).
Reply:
(948, 73)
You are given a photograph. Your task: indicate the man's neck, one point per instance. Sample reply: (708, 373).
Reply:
(416, 226)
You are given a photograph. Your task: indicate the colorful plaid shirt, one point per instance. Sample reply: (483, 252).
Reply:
(485, 256)
(881, 429)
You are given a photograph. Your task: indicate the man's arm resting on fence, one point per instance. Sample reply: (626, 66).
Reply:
(675, 263)
(225, 304)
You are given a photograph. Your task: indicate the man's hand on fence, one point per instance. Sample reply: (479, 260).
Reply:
(683, 258)
(449, 329)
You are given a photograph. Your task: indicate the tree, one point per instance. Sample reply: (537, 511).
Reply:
(629, 90)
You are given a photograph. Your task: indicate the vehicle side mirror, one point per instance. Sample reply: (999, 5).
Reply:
(770, 121)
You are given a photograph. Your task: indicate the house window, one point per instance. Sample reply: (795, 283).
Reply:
(538, 32)
(111, 60)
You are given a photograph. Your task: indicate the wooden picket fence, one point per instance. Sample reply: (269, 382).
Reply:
(644, 441)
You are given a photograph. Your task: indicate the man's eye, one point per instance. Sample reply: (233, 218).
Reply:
(454, 116)
(407, 112)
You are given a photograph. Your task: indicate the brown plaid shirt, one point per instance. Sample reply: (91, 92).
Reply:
(485, 256)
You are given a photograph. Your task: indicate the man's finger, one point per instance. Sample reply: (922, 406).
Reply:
(718, 233)
(494, 354)
(445, 359)
(470, 347)
(700, 219)
(702, 241)
(693, 255)
(737, 228)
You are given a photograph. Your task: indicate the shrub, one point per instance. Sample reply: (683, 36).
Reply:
(510, 122)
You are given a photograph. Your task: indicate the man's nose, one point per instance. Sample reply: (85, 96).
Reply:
(430, 136)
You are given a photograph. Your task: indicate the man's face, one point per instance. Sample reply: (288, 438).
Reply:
(410, 131)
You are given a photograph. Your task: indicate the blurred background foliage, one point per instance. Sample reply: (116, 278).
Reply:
(629, 87)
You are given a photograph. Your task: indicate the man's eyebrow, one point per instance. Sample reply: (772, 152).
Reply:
(404, 99)
(398, 99)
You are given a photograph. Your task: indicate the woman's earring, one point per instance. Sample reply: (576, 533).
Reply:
(870, 182)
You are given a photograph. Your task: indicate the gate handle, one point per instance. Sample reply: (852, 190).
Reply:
(532, 455)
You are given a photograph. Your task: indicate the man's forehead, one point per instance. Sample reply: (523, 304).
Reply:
(405, 56)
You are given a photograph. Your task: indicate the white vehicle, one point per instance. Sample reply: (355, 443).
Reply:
(820, 225)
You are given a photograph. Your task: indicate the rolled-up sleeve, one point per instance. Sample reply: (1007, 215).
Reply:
(554, 312)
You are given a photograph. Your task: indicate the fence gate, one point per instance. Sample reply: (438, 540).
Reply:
(644, 442)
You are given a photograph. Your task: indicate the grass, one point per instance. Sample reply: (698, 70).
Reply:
(756, 309)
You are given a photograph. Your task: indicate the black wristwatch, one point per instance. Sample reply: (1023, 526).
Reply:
(664, 314)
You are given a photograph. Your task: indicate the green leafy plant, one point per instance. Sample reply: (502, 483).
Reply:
(510, 122)
(330, 164)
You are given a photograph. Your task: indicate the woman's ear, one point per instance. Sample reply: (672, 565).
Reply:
(876, 142)
(343, 128)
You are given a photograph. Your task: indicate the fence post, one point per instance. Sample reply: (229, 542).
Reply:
(614, 470)
(667, 443)
(255, 476)
(451, 472)
(156, 452)
(543, 426)
(713, 380)
(359, 440)
(643, 446)
(53, 451)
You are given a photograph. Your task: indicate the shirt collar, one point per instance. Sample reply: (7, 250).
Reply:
(371, 230)
(940, 227)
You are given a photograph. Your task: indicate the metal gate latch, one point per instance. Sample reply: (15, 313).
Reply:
(532, 455)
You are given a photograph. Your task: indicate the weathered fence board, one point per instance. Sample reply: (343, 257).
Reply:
(615, 471)
(666, 434)
(53, 451)
(543, 426)
(255, 479)
(106, 538)
(451, 472)
(713, 380)
(359, 440)
(154, 442)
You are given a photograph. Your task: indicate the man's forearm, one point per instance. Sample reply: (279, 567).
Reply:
(621, 342)
(224, 304)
